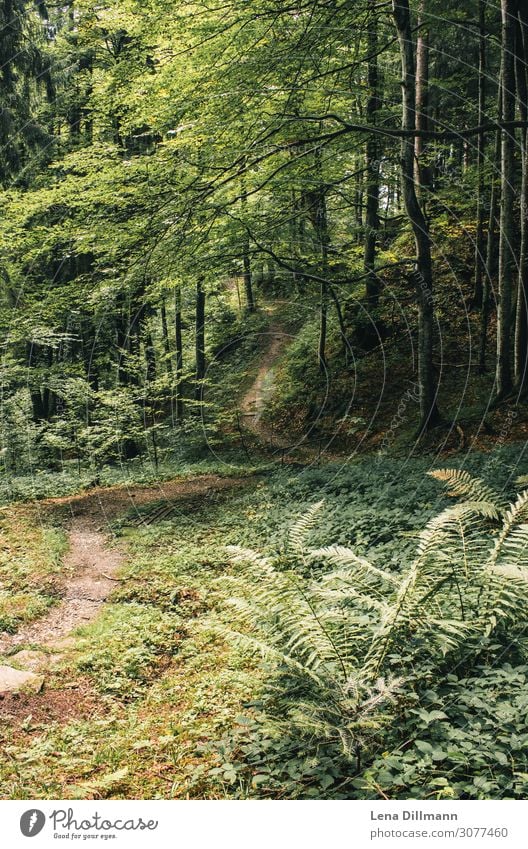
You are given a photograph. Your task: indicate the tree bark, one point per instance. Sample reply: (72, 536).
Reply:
(503, 375)
(322, 229)
(423, 276)
(320, 223)
(481, 141)
(150, 356)
(248, 282)
(179, 352)
(372, 166)
(166, 340)
(521, 318)
(358, 200)
(491, 247)
(200, 341)
(422, 171)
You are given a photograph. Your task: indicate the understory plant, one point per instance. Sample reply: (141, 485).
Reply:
(350, 646)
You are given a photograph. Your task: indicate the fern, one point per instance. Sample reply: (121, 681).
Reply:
(302, 527)
(333, 639)
(460, 484)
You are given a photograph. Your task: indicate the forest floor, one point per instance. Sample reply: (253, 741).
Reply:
(279, 445)
(108, 651)
(136, 702)
(93, 566)
(92, 560)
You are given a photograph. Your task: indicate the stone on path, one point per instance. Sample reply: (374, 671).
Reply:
(18, 680)
(29, 659)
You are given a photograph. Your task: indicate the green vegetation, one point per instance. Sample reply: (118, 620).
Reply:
(30, 563)
(201, 679)
(264, 268)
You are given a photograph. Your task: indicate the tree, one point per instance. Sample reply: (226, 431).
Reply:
(372, 164)
(423, 277)
(507, 260)
(521, 322)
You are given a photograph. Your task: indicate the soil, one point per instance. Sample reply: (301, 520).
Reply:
(256, 398)
(34, 710)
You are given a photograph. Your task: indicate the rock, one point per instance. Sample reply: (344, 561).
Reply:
(28, 659)
(18, 680)
(63, 643)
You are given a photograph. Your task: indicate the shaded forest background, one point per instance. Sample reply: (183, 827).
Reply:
(168, 173)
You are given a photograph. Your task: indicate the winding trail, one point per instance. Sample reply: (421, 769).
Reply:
(93, 562)
(92, 565)
(256, 398)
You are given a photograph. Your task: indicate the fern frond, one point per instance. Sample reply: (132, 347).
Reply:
(332, 638)
(238, 554)
(453, 523)
(514, 548)
(515, 516)
(268, 651)
(340, 555)
(460, 484)
(302, 527)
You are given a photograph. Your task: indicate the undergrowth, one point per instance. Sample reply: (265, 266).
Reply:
(164, 702)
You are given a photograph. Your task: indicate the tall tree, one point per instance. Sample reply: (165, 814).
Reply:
(521, 319)
(480, 244)
(179, 351)
(421, 169)
(199, 341)
(423, 276)
(372, 163)
(507, 261)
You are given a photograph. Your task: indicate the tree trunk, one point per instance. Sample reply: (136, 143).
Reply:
(200, 341)
(323, 313)
(372, 166)
(507, 225)
(358, 200)
(491, 247)
(320, 224)
(248, 282)
(179, 352)
(323, 292)
(422, 173)
(150, 357)
(481, 140)
(521, 318)
(166, 340)
(429, 414)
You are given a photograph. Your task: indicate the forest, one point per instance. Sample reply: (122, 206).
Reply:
(264, 399)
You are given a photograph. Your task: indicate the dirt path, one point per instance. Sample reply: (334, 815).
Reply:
(92, 562)
(92, 566)
(256, 398)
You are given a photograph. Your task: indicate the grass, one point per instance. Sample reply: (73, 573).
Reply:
(30, 565)
(45, 483)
